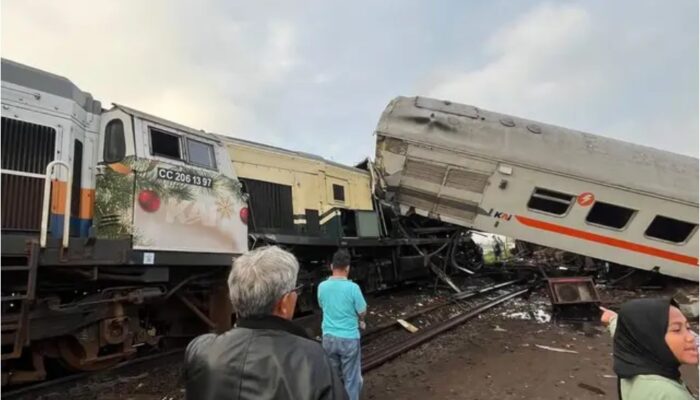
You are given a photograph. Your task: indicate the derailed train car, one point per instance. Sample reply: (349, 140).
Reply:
(602, 198)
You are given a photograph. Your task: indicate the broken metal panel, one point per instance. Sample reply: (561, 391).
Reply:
(572, 290)
(574, 298)
(392, 145)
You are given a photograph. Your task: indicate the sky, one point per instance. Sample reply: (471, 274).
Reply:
(315, 76)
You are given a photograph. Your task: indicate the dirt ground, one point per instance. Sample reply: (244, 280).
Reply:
(494, 356)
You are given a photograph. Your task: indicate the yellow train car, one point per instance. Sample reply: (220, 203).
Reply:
(312, 206)
(300, 193)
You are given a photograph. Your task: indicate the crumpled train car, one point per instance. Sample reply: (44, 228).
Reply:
(587, 194)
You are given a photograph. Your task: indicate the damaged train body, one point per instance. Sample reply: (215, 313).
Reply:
(598, 197)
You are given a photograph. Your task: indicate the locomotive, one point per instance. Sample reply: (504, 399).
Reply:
(118, 227)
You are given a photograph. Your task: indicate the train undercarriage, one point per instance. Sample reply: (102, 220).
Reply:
(94, 305)
(73, 311)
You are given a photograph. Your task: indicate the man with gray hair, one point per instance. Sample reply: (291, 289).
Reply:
(265, 356)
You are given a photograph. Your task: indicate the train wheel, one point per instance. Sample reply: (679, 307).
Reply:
(81, 357)
(98, 346)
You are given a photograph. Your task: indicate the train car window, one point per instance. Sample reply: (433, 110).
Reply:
(609, 215)
(165, 144)
(669, 229)
(115, 145)
(550, 202)
(338, 193)
(201, 154)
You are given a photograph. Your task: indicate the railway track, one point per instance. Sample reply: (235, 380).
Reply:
(387, 341)
(65, 383)
(380, 344)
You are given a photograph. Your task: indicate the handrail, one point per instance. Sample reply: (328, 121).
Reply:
(47, 195)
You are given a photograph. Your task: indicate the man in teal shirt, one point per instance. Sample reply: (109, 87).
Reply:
(344, 310)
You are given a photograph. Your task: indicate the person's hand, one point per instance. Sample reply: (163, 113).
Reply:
(607, 316)
(363, 325)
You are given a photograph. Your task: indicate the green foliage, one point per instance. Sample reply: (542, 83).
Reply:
(116, 191)
(113, 202)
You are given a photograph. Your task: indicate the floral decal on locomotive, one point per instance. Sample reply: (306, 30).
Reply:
(162, 206)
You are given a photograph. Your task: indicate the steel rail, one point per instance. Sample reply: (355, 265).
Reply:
(376, 359)
(451, 300)
(40, 388)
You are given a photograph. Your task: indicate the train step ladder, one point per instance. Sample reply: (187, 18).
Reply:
(17, 303)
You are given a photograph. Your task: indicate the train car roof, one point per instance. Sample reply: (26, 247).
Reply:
(163, 121)
(519, 141)
(24, 75)
(292, 153)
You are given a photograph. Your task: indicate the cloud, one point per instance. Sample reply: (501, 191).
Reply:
(569, 65)
(309, 77)
(531, 65)
(146, 55)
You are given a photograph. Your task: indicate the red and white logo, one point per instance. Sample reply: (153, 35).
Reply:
(585, 199)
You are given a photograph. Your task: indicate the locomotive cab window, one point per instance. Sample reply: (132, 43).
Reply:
(115, 145)
(550, 202)
(609, 215)
(165, 144)
(670, 230)
(338, 193)
(200, 154)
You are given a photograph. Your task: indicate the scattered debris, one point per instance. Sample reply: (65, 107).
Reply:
(518, 315)
(609, 376)
(127, 379)
(591, 388)
(542, 316)
(557, 349)
(499, 329)
(407, 325)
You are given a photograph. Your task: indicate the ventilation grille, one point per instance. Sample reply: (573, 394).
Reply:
(467, 180)
(444, 206)
(425, 171)
(28, 148)
(21, 202)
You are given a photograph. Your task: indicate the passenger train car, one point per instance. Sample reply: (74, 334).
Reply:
(586, 194)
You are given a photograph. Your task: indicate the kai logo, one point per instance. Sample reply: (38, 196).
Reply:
(585, 199)
(504, 216)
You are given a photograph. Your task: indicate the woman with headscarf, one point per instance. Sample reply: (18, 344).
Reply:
(651, 339)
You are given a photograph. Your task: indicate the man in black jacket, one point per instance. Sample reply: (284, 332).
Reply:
(265, 356)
